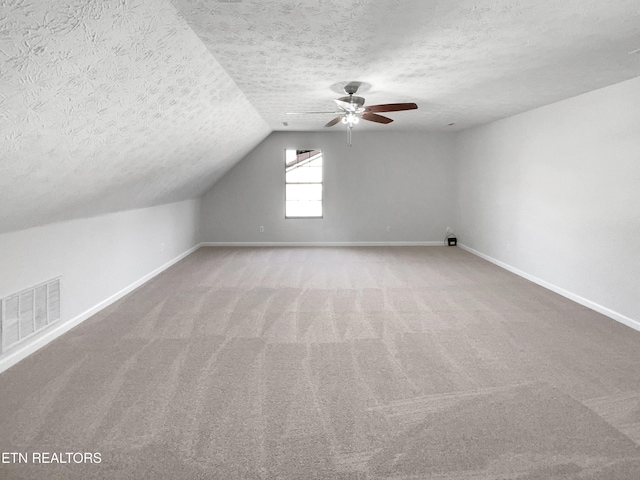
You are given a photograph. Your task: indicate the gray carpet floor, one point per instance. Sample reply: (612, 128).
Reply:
(332, 363)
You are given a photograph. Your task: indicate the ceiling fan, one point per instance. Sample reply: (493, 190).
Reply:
(351, 109)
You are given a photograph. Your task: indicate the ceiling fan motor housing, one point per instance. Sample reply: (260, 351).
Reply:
(353, 100)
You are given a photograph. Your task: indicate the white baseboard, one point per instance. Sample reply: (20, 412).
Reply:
(629, 322)
(13, 356)
(39, 340)
(322, 244)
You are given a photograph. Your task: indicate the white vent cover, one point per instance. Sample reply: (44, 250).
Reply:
(29, 311)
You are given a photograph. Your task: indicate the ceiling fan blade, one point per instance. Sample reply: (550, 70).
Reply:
(372, 117)
(334, 121)
(310, 113)
(391, 107)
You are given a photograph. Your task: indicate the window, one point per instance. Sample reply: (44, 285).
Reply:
(303, 183)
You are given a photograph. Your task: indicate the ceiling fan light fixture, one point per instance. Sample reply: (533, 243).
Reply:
(350, 119)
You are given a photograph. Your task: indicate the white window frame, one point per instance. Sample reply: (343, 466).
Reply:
(288, 167)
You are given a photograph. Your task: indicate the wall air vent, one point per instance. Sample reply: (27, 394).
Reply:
(25, 313)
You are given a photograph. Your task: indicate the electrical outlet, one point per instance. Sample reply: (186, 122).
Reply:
(388, 228)
(261, 229)
(449, 230)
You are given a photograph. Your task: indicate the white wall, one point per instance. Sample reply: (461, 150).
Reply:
(97, 258)
(555, 193)
(401, 180)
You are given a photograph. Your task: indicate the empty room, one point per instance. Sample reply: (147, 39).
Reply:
(320, 239)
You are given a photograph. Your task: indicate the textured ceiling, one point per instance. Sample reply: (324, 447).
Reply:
(110, 105)
(118, 104)
(468, 62)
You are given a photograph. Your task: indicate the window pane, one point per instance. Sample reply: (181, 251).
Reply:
(289, 156)
(303, 209)
(302, 191)
(304, 175)
(301, 157)
(303, 183)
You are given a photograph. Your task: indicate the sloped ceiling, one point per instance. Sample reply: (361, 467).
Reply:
(462, 61)
(118, 104)
(110, 105)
